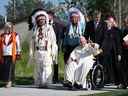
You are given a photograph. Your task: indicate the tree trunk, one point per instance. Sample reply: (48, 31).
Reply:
(120, 14)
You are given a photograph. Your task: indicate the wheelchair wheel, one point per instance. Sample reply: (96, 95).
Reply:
(88, 80)
(97, 77)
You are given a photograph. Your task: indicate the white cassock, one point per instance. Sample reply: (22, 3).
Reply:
(79, 64)
(45, 49)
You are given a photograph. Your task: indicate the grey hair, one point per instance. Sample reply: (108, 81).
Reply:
(8, 24)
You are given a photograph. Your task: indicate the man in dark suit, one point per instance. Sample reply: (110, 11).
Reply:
(95, 29)
(111, 46)
(58, 27)
(124, 60)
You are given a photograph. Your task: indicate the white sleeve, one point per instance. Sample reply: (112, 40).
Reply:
(54, 47)
(18, 45)
(96, 46)
(31, 46)
(125, 38)
(95, 49)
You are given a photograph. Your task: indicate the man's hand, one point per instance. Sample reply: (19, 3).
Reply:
(18, 56)
(119, 57)
(92, 44)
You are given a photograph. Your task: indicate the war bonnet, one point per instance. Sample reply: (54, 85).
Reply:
(76, 12)
(40, 13)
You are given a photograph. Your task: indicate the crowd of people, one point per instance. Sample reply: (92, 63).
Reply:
(80, 40)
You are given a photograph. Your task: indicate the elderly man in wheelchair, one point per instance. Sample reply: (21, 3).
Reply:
(83, 70)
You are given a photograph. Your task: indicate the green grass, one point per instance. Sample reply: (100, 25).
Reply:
(24, 73)
(111, 93)
(22, 69)
(61, 65)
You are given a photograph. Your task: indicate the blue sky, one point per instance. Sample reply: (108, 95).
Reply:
(5, 2)
(2, 4)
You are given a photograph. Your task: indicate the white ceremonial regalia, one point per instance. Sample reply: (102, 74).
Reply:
(43, 49)
(79, 64)
(44, 52)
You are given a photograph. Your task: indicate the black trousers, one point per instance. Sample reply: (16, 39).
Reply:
(1, 72)
(124, 67)
(55, 73)
(67, 52)
(111, 68)
(8, 69)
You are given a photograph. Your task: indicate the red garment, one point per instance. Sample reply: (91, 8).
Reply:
(2, 41)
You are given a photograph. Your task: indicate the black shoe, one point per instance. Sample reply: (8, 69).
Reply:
(67, 84)
(55, 81)
(122, 86)
(77, 86)
(42, 86)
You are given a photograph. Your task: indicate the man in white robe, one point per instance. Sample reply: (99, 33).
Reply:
(79, 64)
(43, 48)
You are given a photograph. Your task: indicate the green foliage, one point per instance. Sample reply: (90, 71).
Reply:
(23, 8)
(1, 21)
(49, 5)
(103, 5)
(61, 65)
(22, 69)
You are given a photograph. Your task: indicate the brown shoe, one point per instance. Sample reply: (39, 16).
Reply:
(8, 84)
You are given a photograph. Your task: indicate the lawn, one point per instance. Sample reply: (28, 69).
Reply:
(111, 93)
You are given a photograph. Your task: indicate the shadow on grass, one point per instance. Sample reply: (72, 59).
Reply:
(24, 81)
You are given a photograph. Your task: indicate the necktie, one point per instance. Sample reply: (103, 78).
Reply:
(96, 25)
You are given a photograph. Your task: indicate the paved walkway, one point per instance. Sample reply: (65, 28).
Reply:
(53, 90)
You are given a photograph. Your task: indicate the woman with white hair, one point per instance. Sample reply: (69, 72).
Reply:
(43, 48)
(10, 51)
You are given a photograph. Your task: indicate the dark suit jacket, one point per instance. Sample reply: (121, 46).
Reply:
(112, 41)
(96, 35)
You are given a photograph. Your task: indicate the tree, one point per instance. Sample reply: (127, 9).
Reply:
(23, 8)
(1, 21)
(49, 5)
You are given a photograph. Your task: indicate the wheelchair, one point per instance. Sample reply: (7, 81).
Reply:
(95, 77)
